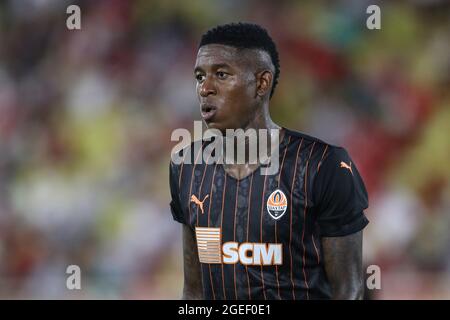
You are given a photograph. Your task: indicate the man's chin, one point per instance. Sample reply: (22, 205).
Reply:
(216, 126)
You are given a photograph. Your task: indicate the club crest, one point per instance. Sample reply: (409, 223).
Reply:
(277, 204)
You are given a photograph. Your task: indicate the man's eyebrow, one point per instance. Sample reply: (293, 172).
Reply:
(213, 66)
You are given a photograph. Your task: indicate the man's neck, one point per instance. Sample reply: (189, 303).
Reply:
(261, 121)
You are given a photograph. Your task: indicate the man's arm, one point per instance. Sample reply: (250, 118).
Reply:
(343, 265)
(193, 288)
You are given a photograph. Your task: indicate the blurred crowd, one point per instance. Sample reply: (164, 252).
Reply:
(86, 117)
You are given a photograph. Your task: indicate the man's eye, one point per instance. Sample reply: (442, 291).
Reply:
(199, 77)
(222, 75)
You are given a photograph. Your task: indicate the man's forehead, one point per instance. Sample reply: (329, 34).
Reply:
(216, 54)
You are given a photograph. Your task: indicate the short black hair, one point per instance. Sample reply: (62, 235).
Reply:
(245, 36)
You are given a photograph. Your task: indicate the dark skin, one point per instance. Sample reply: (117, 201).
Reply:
(238, 82)
(343, 266)
(192, 289)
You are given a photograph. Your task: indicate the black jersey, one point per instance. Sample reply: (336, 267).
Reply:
(260, 237)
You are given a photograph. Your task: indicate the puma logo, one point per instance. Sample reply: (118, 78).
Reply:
(346, 166)
(195, 200)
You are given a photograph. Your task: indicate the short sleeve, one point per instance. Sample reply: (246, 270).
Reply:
(340, 195)
(175, 203)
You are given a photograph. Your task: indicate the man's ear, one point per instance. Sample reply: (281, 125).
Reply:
(264, 83)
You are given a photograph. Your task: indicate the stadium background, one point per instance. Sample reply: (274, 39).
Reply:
(86, 118)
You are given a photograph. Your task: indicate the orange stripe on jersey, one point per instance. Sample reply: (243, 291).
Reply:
(211, 193)
(221, 223)
(282, 161)
(323, 154)
(181, 171)
(234, 236)
(201, 185)
(209, 211)
(260, 232)
(248, 224)
(192, 178)
(304, 221)
(212, 287)
(276, 225)
(290, 221)
(317, 252)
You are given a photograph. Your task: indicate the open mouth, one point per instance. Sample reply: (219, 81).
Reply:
(208, 111)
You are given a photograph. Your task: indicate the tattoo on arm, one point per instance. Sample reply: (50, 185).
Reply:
(193, 288)
(343, 265)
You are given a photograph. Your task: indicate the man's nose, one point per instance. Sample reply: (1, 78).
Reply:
(207, 87)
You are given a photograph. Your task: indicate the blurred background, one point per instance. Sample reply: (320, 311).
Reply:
(86, 117)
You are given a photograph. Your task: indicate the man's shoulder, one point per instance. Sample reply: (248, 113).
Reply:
(317, 150)
(308, 140)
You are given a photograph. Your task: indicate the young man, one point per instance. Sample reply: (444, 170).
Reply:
(295, 234)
